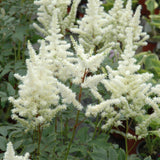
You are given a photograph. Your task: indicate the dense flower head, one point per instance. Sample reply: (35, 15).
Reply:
(40, 91)
(122, 18)
(130, 91)
(10, 154)
(46, 14)
(92, 35)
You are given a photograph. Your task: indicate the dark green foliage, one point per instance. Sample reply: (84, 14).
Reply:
(16, 18)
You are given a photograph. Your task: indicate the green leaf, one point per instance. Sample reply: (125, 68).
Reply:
(10, 90)
(112, 153)
(3, 131)
(17, 144)
(1, 155)
(16, 133)
(121, 154)
(149, 61)
(101, 141)
(3, 94)
(148, 158)
(30, 148)
(3, 143)
(82, 134)
(11, 78)
(133, 157)
(99, 154)
(151, 5)
(79, 148)
(19, 33)
(4, 101)
(4, 72)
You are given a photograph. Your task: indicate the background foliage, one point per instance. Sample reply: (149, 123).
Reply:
(16, 19)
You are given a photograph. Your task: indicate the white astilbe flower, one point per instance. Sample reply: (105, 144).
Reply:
(58, 50)
(130, 91)
(92, 82)
(92, 35)
(39, 93)
(10, 154)
(45, 14)
(122, 18)
(85, 61)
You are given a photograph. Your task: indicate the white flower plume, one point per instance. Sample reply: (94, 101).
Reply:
(10, 154)
(92, 34)
(46, 14)
(122, 18)
(130, 91)
(39, 93)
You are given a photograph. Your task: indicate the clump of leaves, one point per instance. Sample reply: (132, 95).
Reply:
(16, 18)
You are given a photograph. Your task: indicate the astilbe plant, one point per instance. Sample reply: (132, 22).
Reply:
(38, 109)
(43, 91)
(130, 93)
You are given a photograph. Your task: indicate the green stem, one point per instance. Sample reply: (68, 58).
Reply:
(34, 141)
(126, 142)
(133, 146)
(19, 50)
(24, 48)
(97, 125)
(39, 140)
(15, 54)
(61, 129)
(66, 129)
(73, 135)
(77, 117)
(55, 124)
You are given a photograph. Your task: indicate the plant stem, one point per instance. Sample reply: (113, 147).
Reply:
(126, 142)
(39, 140)
(77, 117)
(61, 129)
(73, 135)
(55, 124)
(19, 50)
(133, 146)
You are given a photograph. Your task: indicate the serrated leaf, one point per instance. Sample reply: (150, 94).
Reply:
(29, 148)
(148, 158)
(3, 94)
(121, 154)
(17, 144)
(1, 155)
(4, 72)
(3, 131)
(99, 154)
(10, 89)
(82, 134)
(4, 101)
(16, 133)
(112, 153)
(3, 143)
(79, 148)
(20, 31)
(151, 5)
(11, 78)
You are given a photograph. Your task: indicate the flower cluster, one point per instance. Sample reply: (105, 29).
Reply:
(10, 154)
(109, 29)
(46, 13)
(40, 92)
(130, 91)
(122, 18)
(43, 92)
(93, 35)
